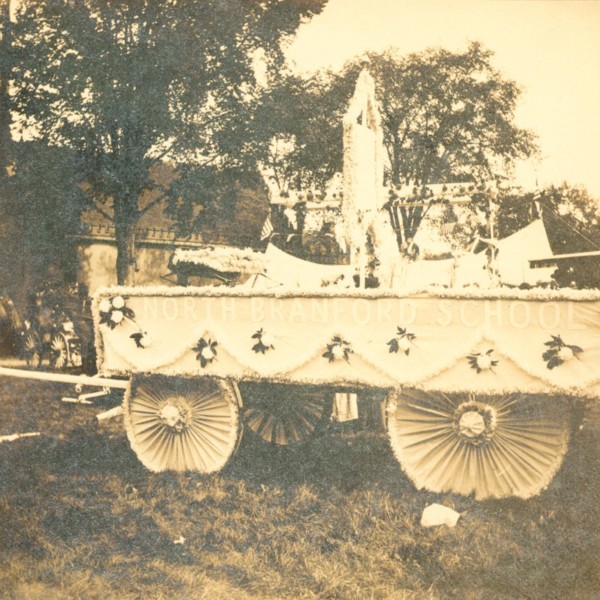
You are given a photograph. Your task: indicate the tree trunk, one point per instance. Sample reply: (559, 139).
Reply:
(5, 72)
(125, 235)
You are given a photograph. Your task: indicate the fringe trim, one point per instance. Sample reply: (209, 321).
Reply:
(468, 293)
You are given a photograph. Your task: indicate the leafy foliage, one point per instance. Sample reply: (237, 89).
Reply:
(38, 211)
(446, 117)
(127, 84)
(301, 123)
(571, 216)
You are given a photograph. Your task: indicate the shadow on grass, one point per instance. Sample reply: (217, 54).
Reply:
(289, 516)
(345, 461)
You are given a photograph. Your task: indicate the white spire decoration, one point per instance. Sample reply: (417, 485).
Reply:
(363, 164)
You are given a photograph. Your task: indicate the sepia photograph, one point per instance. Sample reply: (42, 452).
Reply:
(299, 299)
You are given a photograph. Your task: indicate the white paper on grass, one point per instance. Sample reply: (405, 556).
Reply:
(437, 514)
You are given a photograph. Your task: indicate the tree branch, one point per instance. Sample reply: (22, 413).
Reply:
(94, 206)
(152, 204)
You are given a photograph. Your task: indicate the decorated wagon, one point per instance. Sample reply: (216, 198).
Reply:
(478, 387)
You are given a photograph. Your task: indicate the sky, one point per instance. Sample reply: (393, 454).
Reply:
(551, 48)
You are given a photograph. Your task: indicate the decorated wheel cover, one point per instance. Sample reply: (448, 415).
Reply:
(283, 414)
(59, 354)
(492, 447)
(179, 424)
(31, 349)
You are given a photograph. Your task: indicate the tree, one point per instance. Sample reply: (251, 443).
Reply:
(301, 123)
(126, 84)
(446, 116)
(41, 211)
(5, 69)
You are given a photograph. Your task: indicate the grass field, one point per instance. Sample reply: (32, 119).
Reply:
(81, 518)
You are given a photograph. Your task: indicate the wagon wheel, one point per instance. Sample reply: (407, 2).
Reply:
(59, 353)
(493, 447)
(177, 424)
(75, 357)
(283, 414)
(31, 349)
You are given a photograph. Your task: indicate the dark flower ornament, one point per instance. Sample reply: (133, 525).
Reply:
(141, 339)
(402, 342)
(558, 352)
(482, 362)
(338, 349)
(207, 351)
(264, 341)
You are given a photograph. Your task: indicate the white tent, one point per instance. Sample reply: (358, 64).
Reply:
(290, 271)
(512, 263)
(515, 252)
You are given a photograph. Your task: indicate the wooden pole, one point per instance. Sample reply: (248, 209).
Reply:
(362, 266)
(493, 246)
(65, 378)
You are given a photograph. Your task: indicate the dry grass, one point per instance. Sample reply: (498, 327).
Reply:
(81, 518)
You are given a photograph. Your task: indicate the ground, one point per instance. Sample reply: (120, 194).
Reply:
(333, 519)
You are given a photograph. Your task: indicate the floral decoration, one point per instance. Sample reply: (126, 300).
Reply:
(141, 339)
(402, 342)
(482, 362)
(558, 352)
(475, 422)
(265, 341)
(338, 349)
(207, 351)
(113, 311)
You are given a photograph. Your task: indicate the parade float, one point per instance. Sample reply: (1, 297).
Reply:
(479, 381)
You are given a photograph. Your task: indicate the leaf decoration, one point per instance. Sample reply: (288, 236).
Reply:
(400, 341)
(559, 352)
(261, 346)
(555, 342)
(553, 361)
(338, 349)
(393, 344)
(105, 320)
(206, 351)
(137, 338)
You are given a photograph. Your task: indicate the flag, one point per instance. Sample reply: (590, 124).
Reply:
(448, 228)
(267, 229)
(537, 203)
